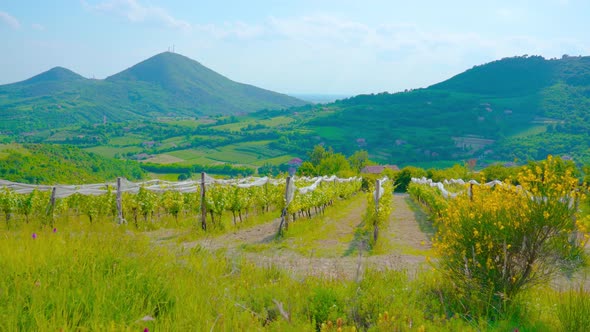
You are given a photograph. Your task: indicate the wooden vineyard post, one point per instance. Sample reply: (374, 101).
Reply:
(377, 198)
(51, 205)
(288, 198)
(119, 203)
(203, 203)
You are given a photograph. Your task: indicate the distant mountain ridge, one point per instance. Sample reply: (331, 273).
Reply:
(167, 84)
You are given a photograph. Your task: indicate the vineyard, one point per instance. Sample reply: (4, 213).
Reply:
(154, 201)
(297, 254)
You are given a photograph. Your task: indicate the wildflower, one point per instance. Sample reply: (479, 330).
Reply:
(146, 330)
(55, 230)
(34, 236)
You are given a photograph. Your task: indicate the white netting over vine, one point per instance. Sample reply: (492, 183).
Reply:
(445, 192)
(160, 186)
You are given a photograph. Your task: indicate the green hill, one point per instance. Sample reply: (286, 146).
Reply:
(189, 85)
(514, 108)
(166, 85)
(521, 107)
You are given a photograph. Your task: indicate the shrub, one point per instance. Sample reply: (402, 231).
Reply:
(498, 241)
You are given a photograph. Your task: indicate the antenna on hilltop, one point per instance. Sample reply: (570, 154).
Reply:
(172, 48)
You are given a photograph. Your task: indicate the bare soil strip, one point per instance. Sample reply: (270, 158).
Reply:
(328, 252)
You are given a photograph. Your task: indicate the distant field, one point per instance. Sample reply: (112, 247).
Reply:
(259, 148)
(277, 121)
(127, 140)
(245, 121)
(534, 130)
(274, 161)
(330, 133)
(110, 151)
(165, 177)
(164, 159)
(193, 123)
(12, 146)
(237, 126)
(229, 154)
(192, 156)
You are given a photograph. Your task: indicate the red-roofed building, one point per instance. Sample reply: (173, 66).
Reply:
(378, 169)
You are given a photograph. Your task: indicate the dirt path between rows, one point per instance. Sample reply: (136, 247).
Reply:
(330, 249)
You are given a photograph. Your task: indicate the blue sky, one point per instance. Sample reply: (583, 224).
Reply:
(319, 46)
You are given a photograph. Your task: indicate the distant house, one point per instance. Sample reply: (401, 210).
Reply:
(296, 162)
(140, 156)
(148, 144)
(378, 169)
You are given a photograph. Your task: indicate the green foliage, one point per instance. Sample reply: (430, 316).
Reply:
(500, 172)
(498, 241)
(520, 108)
(324, 161)
(323, 196)
(223, 169)
(50, 164)
(455, 172)
(378, 209)
(358, 160)
(428, 197)
(404, 177)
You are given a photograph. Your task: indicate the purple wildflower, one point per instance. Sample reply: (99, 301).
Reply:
(55, 230)
(34, 236)
(146, 330)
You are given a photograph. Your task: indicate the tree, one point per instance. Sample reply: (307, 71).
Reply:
(307, 169)
(358, 160)
(319, 153)
(405, 176)
(335, 164)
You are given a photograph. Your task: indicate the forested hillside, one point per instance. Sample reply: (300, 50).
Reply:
(52, 164)
(521, 107)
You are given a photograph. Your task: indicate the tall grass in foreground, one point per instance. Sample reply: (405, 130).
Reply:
(573, 309)
(103, 277)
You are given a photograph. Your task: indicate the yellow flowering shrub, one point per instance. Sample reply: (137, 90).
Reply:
(496, 241)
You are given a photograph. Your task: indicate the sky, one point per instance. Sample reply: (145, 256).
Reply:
(300, 47)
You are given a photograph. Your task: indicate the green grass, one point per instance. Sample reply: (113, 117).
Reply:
(274, 161)
(165, 159)
(12, 146)
(110, 151)
(111, 278)
(277, 121)
(127, 140)
(308, 236)
(231, 154)
(193, 156)
(330, 133)
(532, 131)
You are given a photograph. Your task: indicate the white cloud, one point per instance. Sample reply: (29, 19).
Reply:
(136, 12)
(9, 20)
(37, 26)
(358, 56)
